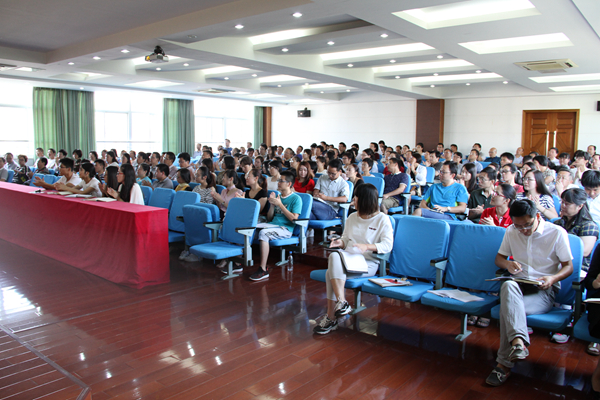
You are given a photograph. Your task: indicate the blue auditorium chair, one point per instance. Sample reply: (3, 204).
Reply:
(340, 219)
(176, 226)
(147, 192)
(162, 198)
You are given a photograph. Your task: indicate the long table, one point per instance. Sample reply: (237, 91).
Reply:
(125, 243)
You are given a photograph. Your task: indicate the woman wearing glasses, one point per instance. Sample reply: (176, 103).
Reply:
(129, 191)
(535, 189)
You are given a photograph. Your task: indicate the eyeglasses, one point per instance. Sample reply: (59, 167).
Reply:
(524, 228)
(496, 194)
(281, 181)
(529, 179)
(445, 172)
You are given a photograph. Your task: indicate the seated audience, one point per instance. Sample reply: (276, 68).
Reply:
(110, 179)
(68, 176)
(417, 171)
(169, 159)
(89, 185)
(162, 178)
(284, 209)
(553, 158)
(395, 184)
(506, 158)
(10, 163)
(111, 159)
(274, 174)
(321, 165)
(367, 231)
(206, 185)
(51, 159)
(354, 176)
(518, 161)
(3, 170)
(185, 162)
(504, 196)
(366, 167)
(22, 171)
(143, 174)
(183, 179)
(370, 154)
(508, 174)
(579, 165)
(592, 287)
(564, 181)
(535, 190)
(258, 191)
(304, 180)
(473, 158)
(468, 177)
(590, 181)
(41, 167)
(530, 237)
(232, 189)
(129, 191)
(100, 169)
(481, 198)
(541, 163)
(493, 158)
(445, 199)
(330, 190)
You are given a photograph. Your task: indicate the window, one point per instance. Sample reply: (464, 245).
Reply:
(220, 119)
(16, 133)
(128, 121)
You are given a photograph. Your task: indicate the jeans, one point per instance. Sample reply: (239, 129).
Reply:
(322, 211)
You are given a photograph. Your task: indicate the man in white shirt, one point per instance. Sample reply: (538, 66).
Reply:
(10, 162)
(540, 251)
(67, 176)
(553, 156)
(3, 171)
(518, 161)
(564, 181)
(169, 160)
(591, 184)
(39, 153)
(579, 165)
(51, 159)
(330, 190)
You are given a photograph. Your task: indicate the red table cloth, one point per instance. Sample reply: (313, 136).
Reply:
(125, 243)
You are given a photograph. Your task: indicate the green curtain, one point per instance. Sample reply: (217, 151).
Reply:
(179, 133)
(64, 119)
(259, 134)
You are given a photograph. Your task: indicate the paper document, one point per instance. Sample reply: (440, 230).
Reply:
(353, 259)
(528, 281)
(266, 225)
(456, 295)
(82, 196)
(387, 282)
(102, 199)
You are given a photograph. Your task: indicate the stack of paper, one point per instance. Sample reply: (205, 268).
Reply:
(456, 295)
(386, 282)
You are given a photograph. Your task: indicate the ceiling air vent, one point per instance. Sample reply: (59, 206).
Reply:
(547, 66)
(214, 91)
(6, 67)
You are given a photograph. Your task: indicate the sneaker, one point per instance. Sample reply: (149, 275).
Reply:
(530, 330)
(259, 275)
(342, 308)
(559, 338)
(497, 377)
(593, 349)
(184, 254)
(237, 268)
(518, 352)
(325, 326)
(191, 258)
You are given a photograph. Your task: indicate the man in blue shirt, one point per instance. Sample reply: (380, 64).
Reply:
(228, 148)
(445, 199)
(493, 158)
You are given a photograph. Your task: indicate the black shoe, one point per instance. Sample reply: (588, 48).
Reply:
(342, 308)
(259, 275)
(325, 326)
(237, 268)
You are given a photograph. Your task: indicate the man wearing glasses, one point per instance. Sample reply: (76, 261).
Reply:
(330, 190)
(445, 199)
(539, 250)
(67, 176)
(564, 181)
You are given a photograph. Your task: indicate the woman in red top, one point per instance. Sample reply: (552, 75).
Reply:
(304, 181)
(504, 195)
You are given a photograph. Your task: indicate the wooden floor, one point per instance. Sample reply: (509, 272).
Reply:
(201, 337)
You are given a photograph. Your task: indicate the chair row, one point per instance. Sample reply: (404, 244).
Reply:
(435, 255)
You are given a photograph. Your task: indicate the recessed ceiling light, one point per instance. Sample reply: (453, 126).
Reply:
(322, 91)
(457, 77)
(158, 69)
(350, 65)
(239, 26)
(478, 71)
(71, 63)
(431, 85)
(153, 84)
(347, 90)
(254, 75)
(96, 58)
(285, 49)
(278, 85)
(327, 86)
(505, 82)
(522, 43)
(331, 43)
(186, 65)
(436, 74)
(468, 84)
(384, 35)
(81, 88)
(376, 51)
(192, 36)
(397, 77)
(297, 14)
(580, 88)
(440, 56)
(392, 61)
(423, 67)
(226, 78)
(125, 51)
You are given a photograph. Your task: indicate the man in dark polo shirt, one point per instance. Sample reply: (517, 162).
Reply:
(481, 198)
(395, 184)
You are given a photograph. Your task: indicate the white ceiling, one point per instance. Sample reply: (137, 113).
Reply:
(49, 35)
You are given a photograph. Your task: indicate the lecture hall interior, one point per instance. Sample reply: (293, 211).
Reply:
(502, 73)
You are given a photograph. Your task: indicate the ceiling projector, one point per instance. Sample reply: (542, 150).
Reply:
(158, 56)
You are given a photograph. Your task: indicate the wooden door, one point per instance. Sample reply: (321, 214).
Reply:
(545, 129)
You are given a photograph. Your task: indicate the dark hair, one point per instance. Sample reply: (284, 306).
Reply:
(276, 164)
(125, 156)
(52, 150)
(542, 160)
(313, 166)
(245, 161)
(210, 179)
(289, 177)
(531, 165)
(458, 153)
(343, 144)
(89, 168)
(590, 179)
(395, 161)
(110, 177)
(164, 168)
(229, 162)
(44, 160)
(78, 152)
(508, 155)
(309, 173)
(540, 184)
(330, 155)
(512, 167)
(420, 144)
(367, 199)
(451, 166)
(369, 152)
(185, 156)
(230, 173)
(581, 153)
(336, 163)
(208, 163)
(369, 162)
(564, 155)
(472, 183)
(185, 175)
(578, 197)
(476, 152)
(563, 168)
(323, 160)
(490, 173)
(308, 152)
(145, 156)
(127, 185)
(146, 168)
(508, 192)
(436, 153)
(63, 152)
(521, 208)
(260, 179)
(66, 162)
(417, 157)
(555, 149)
(170, 155)
(112, 155)
(209, 152)
(101, 162)
(94, 154)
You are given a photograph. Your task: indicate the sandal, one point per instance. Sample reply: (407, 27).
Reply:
(483, 322)
(472, 320)
(593, 349)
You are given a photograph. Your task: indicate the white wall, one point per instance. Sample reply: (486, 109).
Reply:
(493, 122)
(362, 123)
(497, 122)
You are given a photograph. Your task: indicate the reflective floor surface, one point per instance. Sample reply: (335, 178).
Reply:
(199, 337)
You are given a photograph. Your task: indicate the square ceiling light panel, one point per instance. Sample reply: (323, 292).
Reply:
(467, 12)
(522, 43)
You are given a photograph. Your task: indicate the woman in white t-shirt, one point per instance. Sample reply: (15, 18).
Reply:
(366, 231)
(88, 185)
(129, 191)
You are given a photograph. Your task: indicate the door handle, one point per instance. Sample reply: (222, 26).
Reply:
(555, 133)
(547, 136)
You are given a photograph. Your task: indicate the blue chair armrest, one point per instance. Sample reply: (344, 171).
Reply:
(440, 265)
(301, 221)
(246, 231)
(384, 258)
(214, 226)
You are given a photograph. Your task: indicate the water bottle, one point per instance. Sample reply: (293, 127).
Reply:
(290, 264)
